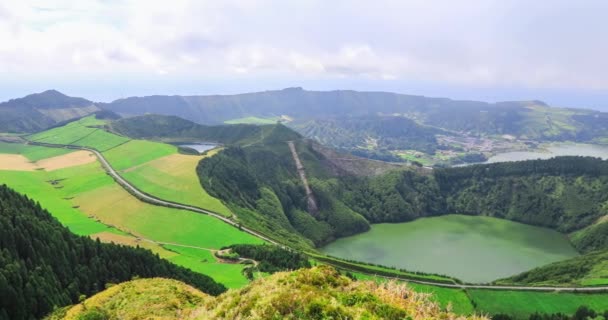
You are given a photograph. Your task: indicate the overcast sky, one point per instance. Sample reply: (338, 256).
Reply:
(491, 50)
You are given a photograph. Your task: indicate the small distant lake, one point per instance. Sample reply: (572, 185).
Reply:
(199, 147)
(554, 150)
(471, 248)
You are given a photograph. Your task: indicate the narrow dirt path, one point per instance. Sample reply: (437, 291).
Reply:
(311, 203)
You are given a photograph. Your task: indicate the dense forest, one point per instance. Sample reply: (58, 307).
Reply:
(271, 258)
(565, 193)
(378, 133)
(43, 265)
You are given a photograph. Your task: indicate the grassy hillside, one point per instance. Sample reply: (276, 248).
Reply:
(587, 270)
(43, 265)
(33, 153)
(318, 293)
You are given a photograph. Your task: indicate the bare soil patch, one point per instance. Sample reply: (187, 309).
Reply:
(67, 160)
(17, 162)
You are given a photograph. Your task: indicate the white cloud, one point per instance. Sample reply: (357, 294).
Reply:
(538, 44)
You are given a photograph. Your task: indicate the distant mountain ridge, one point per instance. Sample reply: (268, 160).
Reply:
(40, 111)
(523, 119)
(526, 119)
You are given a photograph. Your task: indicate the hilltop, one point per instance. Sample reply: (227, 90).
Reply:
(40, 111)
(317, 293)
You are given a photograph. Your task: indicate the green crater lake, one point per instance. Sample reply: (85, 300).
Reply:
(472, 248)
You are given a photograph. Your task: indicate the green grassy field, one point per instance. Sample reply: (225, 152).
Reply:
(81, 133)
(253, 120)
(36, 185)
(204, 262)
(174, 178)
(523, 303)
(153, 167)
(88, 202)
(33, 153)
(137, 152)
(456, 299)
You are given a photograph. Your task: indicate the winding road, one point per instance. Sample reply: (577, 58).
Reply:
(153, 200)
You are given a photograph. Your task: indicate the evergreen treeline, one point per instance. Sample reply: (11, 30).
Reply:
(272, 258)
(43, 265)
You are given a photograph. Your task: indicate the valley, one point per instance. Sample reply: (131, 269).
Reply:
(102, 209)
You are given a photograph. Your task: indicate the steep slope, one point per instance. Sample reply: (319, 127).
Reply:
(317, 293)
(529, 119)
(565, 193)
(589, 269)
(39, 111)
(43, 265)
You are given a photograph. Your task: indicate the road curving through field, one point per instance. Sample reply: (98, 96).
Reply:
(153, 200)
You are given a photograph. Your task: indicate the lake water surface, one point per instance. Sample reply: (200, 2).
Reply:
(471, 248)
(554, 150)
(199, 147)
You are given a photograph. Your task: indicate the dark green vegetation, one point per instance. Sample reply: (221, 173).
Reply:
(42, 110)
(589, 269)
(372, 136)
(169, 128)
(43, 265)
(566, 193)
(271, 258)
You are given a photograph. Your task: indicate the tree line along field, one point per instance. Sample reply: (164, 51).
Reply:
(89, 202)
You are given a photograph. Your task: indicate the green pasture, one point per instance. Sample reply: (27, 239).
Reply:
(137, 152)
(175, 179)
(33, 153)
(204, 262)
(523, 303)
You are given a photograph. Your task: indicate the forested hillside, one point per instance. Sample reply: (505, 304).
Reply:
(566, 193)
(379, 134)
(39, 111)
(43, 265)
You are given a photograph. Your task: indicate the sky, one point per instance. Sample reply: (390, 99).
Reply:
(491, 50)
